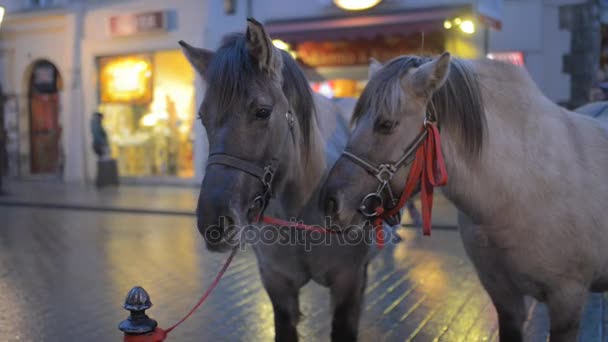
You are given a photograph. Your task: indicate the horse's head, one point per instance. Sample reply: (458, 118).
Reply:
(250, 114)
(388, 118)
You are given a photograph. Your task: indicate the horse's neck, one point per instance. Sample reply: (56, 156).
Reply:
(515, 157)
(529, 149)
(329, 133)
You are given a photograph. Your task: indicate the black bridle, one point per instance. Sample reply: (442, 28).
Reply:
(265, 174)
(385, 172)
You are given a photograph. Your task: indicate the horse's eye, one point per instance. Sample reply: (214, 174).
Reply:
(386, 126)
(263, 113)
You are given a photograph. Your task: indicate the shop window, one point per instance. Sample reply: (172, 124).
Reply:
(148, 106)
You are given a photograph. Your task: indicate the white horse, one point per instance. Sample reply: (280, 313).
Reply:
(529, 177)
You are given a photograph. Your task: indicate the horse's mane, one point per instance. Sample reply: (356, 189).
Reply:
(457, 105)
(232, 69)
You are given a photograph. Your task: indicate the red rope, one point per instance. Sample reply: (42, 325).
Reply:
(291, 224)
(428, 168)
(159, 335)
(429, 171)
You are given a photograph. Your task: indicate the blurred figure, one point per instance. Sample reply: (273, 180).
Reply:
(100, 137)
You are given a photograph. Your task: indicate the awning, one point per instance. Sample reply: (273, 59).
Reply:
(366, 26)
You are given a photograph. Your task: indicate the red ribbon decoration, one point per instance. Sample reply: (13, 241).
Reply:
(428, 170)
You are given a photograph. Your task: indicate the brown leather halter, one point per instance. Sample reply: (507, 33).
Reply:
(265, 174)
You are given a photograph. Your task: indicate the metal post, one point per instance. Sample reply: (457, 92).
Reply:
(138, 327)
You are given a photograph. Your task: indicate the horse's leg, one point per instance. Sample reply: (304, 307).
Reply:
(511, 310)
(347, 291)
(507, 299)
(566, 304)
(284, 297)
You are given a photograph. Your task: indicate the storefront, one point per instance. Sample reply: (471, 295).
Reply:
(146, 90)
(339, 49)
(334, 40)
(148, 104)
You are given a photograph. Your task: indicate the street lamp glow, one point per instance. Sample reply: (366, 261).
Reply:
(356, 5)
(2, 10)
(467, 27)
(279, 44)
(447, 24)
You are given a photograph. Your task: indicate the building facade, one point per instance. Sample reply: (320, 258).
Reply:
(63, 60)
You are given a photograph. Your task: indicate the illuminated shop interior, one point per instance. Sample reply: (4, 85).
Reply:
(148, 105)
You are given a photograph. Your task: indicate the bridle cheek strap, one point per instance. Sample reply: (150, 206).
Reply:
(428, 170)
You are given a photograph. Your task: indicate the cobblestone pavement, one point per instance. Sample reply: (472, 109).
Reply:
(64, 274)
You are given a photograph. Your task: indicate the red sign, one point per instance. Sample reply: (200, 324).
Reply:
(130, 24)
(516, 57)
(358, 52)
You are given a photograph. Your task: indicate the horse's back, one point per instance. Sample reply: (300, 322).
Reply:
(596, 110)
(333, 116)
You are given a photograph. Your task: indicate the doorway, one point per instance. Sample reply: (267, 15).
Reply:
(44, 109)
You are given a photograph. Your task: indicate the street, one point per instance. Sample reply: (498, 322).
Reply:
(65, 272)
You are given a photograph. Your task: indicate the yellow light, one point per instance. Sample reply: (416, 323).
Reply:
(447, 24)
(279, 44)
(356, 5)
(2, 10)
(126, 75)
(126, 79)
(457, 21)
(467, 27)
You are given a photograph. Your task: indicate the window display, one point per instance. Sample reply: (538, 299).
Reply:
(148, 106)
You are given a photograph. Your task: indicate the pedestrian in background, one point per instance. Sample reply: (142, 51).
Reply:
(100, 137)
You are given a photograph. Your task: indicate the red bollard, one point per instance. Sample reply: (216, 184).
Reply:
(138, 327)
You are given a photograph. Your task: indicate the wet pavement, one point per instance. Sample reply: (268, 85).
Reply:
(67, 261)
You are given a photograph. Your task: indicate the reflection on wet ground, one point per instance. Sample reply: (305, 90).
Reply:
(64, 275)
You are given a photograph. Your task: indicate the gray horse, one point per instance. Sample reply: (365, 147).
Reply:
(528, 176)
(272, 142)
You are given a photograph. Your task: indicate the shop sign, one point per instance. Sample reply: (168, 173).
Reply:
(514, 57)
(131, 24)
(358, 52)
(125, 79)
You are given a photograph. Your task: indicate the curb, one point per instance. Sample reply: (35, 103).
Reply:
(82, 207)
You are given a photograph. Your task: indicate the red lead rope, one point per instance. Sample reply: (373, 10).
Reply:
(159, 335)
(429, 170)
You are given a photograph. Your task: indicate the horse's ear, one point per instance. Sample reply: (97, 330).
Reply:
(374, 66)
(261, 49)
(431, 75)
(199, 58)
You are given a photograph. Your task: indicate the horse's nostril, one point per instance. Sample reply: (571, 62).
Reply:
(226, 222)
(214, 234)
(331, 206)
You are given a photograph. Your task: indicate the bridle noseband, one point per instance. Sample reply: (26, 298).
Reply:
(385, 172)
(265, 174)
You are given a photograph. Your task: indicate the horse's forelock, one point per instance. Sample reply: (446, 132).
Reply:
(383, 93)
(232, 70)
(457, 105)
